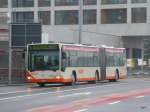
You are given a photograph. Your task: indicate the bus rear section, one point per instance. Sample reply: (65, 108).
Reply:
(115, 63)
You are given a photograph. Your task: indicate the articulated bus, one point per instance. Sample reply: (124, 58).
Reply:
(71, 63)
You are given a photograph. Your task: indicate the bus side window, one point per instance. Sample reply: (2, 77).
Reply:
(56, 62)
(49, 61)
(63, 61)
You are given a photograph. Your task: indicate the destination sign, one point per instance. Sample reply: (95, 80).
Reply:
(44, 47)
(80, 48)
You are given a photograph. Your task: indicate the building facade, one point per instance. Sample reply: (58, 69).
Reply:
(120, 23)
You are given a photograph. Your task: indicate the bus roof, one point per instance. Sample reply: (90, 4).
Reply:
(67, 44)
(80, 45)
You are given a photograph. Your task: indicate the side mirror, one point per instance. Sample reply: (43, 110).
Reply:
(64, 56)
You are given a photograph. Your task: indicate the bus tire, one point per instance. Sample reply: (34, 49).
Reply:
(67, 83)
(96, 77)
(116, 76)
(73, 79)
(41, 84)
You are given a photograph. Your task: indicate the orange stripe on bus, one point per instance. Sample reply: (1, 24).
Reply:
(85, 79)
(54, 80)
(113, 77)
(110, 77)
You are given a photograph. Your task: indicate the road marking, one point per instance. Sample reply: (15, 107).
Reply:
(27, 90)
(70, 90)
(82, 110)
(5, 93)
(112, 103)
(12, 92)
(140, 96)
(86, 93)
(75, 94)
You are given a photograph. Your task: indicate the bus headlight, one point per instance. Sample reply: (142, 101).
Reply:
(29, 78)
(58, 77)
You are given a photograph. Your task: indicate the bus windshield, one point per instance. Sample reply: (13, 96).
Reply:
(44, 60)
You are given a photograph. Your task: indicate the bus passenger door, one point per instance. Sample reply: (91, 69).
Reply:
(103, 63)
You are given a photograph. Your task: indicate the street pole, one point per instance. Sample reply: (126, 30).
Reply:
(10, 57)
(80, 21)
(142, 67)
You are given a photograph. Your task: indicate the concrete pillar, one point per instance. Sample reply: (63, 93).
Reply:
(98, 11)
(10, 11)
(51, 35)
(36, 11)
(128, 11)
(148, 11)
(130, 53)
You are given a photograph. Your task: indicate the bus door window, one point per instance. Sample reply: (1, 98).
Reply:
(95, 59)
(110, 59)
(63, 61)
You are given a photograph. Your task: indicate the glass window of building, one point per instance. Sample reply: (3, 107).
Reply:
(139, 15)
(23, 17)
(89, 2)
(89, 17)
(66, 2)
(3, 3)
(136, 53)
(113, 16)
(44, 17)
(139, 1)
(44, 3)
(66, 17)
(3, 18)
(22, 3)
(113, 1)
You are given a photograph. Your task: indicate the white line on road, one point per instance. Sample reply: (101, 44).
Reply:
(75, 94)
(140, 96)
(86, 93)
(70, 90)
(82, 110)
(13, 92)
(27, 90)
(112, 103)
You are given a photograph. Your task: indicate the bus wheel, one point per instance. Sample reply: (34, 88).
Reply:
(41, 84)
(73, 80)
(96, 77)
(116, 76)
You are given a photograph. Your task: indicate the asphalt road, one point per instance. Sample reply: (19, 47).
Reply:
(123, 96)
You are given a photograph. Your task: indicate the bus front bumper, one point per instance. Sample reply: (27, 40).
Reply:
(56, 79)
(51, 80)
